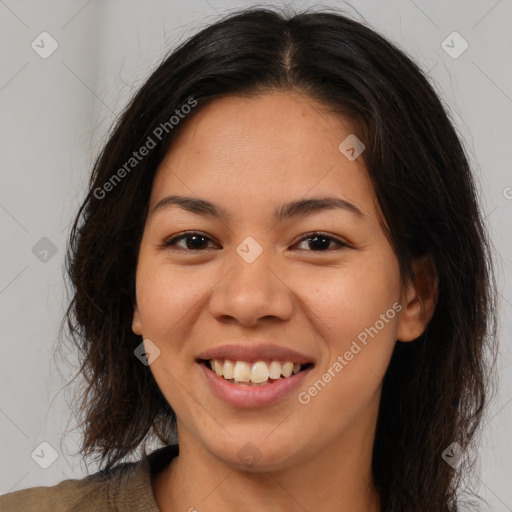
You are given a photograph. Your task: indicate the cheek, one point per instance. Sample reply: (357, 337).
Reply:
(168, 298)
(357, 312)
(348, 300)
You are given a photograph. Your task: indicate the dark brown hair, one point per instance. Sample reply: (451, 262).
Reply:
(437, 387)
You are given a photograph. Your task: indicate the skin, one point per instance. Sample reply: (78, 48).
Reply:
(250, 155)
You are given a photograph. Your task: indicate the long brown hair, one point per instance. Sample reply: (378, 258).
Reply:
(437, 387)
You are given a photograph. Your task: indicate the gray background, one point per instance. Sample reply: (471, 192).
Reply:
(55, 115)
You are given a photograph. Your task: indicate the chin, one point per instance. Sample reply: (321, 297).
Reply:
(256, 453)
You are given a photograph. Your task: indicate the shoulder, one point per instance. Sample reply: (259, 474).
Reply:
(67, 495)
(127, 486)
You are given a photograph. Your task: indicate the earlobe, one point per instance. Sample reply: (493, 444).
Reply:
(136, 323)
(419, 301)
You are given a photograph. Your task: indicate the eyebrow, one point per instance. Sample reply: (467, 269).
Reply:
(292, 209)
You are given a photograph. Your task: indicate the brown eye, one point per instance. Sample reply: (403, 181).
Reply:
(193, 241)
(320, 242)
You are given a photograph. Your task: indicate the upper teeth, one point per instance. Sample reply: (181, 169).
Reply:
(257, 372)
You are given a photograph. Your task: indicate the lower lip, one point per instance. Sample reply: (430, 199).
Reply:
(240, 395)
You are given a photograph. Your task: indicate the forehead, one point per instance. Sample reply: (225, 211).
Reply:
(260, 150)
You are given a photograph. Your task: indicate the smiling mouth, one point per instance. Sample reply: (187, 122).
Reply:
(258, 373)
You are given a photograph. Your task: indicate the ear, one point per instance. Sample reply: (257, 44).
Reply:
(136, 323)
(419, 299)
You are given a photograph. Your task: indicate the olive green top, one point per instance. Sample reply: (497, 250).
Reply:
(125, 488)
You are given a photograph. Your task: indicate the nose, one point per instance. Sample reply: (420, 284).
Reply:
(250, 292)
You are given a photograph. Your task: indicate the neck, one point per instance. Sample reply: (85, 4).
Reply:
(336, 478)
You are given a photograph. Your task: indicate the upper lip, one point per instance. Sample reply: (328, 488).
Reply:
(251, 353)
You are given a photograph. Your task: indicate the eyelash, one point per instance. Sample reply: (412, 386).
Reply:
(188, 234)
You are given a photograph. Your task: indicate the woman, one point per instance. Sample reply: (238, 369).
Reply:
(282, 260)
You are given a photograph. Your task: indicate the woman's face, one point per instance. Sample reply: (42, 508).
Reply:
(255, 286)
